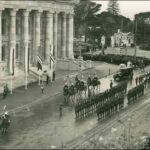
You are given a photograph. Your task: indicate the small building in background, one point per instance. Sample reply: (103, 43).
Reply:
(126, 38)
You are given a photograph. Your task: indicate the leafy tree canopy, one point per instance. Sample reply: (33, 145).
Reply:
(113, 7)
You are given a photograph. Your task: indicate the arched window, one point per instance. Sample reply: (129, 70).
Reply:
(17, 51)
(3, 53)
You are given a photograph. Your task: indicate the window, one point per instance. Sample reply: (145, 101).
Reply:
(129, 41)
(3, 53)
(3, 26)
(17, 51)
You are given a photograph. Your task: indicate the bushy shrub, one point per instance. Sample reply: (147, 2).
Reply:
(117, 59)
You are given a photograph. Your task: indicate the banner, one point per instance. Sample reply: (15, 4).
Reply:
(39, 63)
(26, 59)
(12, 61)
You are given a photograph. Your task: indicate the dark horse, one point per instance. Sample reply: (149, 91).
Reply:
(4, 123)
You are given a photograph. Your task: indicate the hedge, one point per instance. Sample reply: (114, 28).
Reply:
(117, 59)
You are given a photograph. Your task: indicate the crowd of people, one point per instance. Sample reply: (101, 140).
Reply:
(112, 106)
(81, 89)
(91, 104)
(143, 78)
(135, 92)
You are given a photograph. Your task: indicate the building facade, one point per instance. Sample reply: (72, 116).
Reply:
(120, 37)
(41, 27)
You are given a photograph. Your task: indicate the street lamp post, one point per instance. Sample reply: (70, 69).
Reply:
(135, 51)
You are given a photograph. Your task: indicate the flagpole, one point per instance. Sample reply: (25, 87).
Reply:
(11, 84)
(26, 67)
(26, 83)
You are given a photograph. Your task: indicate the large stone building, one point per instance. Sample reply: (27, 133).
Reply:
(36, 27)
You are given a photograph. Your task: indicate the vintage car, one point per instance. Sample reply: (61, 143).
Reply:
(124, 73)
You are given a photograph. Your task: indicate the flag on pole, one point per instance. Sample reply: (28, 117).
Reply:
(11, 61)
(39, 62)
(26, 59)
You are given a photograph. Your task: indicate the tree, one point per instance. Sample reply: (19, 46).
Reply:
(85, 16)
(143, 29)
(113, 7)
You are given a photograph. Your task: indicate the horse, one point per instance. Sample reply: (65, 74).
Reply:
(72, 92)
(5, 123)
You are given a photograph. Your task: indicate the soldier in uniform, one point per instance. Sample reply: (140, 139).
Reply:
(89, 81)
(136, 81)
(72, 92)
(94, 81)
(111, 84)
(66, 92)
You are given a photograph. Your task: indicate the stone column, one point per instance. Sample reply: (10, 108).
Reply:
(0, 35)
(70, 36)
(49, 34)
(13, 33)
(37, 34)
(25, 30)
(55, 34)
(63, 36)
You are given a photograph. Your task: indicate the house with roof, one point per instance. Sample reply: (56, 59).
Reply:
(120, 37)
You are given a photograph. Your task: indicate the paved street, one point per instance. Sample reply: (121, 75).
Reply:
(40, 126)
(38, 113)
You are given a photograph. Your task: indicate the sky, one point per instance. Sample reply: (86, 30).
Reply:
(128, 8)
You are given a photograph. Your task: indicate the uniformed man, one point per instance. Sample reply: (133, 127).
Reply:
(111, 84)
(136, 81)
(89, 81)
(72, 92)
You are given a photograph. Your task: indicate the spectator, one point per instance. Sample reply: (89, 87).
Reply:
(54, 75)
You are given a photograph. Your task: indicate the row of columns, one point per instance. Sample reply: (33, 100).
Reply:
(51, 33)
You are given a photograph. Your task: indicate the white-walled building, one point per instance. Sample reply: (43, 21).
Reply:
(119, 37)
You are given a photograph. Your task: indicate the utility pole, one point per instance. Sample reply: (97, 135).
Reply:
(122, 25)
(135, 37)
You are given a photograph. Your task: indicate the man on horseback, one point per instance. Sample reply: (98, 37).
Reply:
(5, 122)
(66, 92)
(5, 91)
(72, 92)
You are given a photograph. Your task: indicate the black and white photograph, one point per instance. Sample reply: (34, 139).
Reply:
(75, 74)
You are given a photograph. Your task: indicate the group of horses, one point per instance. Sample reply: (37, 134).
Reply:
(81, 89)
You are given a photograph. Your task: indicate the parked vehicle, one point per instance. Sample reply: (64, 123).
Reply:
(123, 74)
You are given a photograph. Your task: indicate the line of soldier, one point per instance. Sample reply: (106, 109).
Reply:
(111, 107)
(143, 78)
(89, 105)
(135, 92)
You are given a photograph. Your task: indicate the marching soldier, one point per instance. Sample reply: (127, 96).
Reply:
(111, 84)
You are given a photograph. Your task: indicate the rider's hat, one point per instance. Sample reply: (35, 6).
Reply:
(6, 112)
